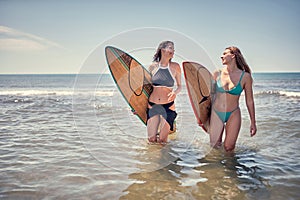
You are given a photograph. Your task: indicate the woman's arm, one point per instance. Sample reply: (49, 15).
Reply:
(250, 102)
(178, 79)
(172, 95)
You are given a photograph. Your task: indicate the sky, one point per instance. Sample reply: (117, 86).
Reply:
(59, 36)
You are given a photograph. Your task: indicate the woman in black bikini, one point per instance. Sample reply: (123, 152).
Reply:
(230, 83)
(161, 108)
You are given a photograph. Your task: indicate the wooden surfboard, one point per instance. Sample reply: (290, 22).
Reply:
(199, 85)
(132, 79)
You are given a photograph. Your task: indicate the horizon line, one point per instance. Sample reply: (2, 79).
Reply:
(256, 72)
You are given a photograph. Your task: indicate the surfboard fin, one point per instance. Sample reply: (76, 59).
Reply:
(203, 99)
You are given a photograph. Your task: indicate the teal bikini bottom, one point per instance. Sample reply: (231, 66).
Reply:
(224, 116)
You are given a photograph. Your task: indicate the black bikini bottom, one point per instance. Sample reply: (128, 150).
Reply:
(164, 111)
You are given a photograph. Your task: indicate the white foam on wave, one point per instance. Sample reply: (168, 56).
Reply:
(104, 93)
(289, 94)
(34, 92)
(279, 93)
(54, 92)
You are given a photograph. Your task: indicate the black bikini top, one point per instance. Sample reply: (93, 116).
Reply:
(163, 77)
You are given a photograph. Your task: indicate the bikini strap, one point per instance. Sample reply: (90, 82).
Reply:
(242, 76)
(160, 66)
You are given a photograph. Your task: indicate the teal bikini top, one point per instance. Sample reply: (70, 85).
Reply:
(237, 90)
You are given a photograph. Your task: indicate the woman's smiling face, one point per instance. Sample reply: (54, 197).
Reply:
(227, 56)
(168, 51)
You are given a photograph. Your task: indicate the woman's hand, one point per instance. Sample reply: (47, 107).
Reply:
(199, 122)
(172, 96)
(134, 112)
(252, 130)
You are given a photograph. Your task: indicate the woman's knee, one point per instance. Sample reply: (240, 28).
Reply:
(229, 147)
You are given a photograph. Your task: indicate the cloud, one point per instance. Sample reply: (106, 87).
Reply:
(14, 40)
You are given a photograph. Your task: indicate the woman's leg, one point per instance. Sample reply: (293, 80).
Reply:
(233, 126)
(152, 127)
(215, 130)
(164, 131)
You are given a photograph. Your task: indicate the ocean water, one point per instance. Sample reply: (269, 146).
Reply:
(74, 137)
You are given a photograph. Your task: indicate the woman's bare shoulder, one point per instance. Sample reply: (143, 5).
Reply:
(247, 79)
(175, 66)
(153, 66)
(217, 73)
(247, 76)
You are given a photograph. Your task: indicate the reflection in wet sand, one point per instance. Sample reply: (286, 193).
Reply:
(217, 175)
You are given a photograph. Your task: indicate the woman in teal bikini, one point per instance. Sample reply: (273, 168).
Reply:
(230, 83)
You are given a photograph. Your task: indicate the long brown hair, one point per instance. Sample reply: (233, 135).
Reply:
(239, 58)
(157, 55)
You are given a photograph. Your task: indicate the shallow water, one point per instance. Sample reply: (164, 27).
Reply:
(57, 142)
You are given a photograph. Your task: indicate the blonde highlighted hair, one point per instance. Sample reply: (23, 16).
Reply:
(162, 45)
